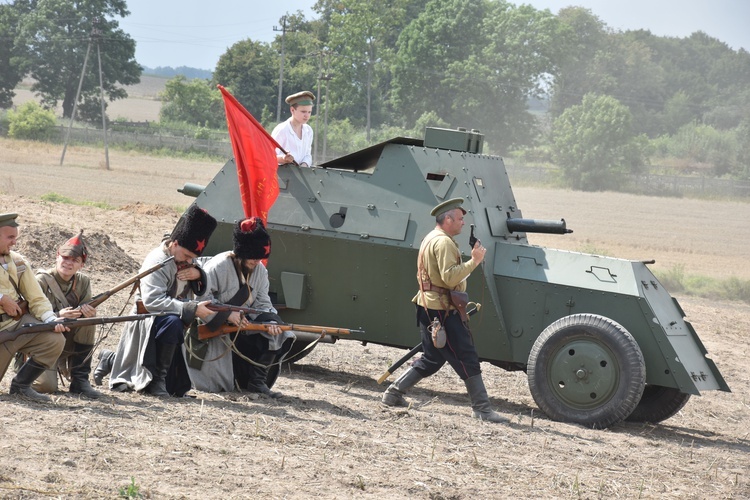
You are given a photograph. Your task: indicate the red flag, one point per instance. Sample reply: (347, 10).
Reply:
(255, 155)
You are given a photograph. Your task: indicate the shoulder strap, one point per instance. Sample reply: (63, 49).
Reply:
(54, 288)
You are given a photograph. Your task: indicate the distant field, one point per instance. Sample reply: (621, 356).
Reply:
(141, 105)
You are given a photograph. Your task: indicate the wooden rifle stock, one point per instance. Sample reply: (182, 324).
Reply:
(70, 323)
(95, 301)
(205, 333)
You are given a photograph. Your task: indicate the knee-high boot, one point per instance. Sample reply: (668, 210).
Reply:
(394, 395)
(27, 374)
(259, 375)
(480, 401)
(104, 367)
(80, 370)
(164, 355)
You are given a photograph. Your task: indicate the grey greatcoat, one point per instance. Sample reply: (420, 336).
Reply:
(214, 371)
(161, 292)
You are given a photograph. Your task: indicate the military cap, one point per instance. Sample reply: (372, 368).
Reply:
(74, 247)
(304, 98)
(447, 206)
(8, 220)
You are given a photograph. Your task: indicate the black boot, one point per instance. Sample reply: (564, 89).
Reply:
(27, 374)
(259, 375)
(80, 370)
(104, 367)
(394, 395)
(164, 355)
(480, 401)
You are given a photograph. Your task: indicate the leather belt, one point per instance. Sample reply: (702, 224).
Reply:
(429, 287)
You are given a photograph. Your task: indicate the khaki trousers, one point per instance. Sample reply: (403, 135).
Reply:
(44, 347)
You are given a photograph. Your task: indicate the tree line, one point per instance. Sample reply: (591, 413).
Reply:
(615, 101)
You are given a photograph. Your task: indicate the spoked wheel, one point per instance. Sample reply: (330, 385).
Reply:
(586, 369)
(657, 404)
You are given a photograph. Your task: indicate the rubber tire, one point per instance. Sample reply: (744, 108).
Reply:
(657, 404)
(601, 374)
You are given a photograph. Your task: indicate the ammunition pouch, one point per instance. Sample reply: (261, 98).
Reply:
(460, 300)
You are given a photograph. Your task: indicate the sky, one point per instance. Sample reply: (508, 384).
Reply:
(195, 33)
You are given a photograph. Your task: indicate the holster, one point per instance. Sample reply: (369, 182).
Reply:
(24, 305)
(460, 300)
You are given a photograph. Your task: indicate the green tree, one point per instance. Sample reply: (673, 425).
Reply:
(196, 102)
(583, 36)
(360, 32)
(250, 69)
(57, 34)
(12, 53)
(446, 32)
(594, 141)
(30, 121)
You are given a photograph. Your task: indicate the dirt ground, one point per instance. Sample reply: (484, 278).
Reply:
(330, 437)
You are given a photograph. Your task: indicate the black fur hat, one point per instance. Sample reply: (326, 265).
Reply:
(194, 229)
(251, 240)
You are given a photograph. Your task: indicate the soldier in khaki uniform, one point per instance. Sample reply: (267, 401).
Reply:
(439, 271)
(68, 290)
(17, 283)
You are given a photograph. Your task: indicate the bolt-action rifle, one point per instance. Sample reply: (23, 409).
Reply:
(95, 301)
(206, 333)
(70, 323)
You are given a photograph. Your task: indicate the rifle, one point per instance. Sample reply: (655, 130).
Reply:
(213, 306)
(417, 348)
(205, 333)
(95, 301)
(70, 323)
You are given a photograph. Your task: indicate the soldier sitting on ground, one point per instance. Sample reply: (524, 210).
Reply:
(68, 290)
(18, 289)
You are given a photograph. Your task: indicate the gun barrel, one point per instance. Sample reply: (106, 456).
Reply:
(537, 226)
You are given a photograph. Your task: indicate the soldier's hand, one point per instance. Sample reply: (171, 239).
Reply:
(9, 305)
(236, 318)
(202, 310)
(88, 311)
(478, 252)
(59, 327)
(274, 330)
(188, 274)
(69, 313)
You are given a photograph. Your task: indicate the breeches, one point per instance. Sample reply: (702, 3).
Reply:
(44, 347)
(168, 329)
(459, 350)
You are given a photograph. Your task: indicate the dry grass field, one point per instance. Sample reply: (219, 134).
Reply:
(141, 105)
(329, 436)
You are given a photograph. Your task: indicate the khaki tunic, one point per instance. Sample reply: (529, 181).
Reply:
(44, 347)
(441, 261)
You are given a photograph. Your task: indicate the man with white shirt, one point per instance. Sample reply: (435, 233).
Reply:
(294, 134)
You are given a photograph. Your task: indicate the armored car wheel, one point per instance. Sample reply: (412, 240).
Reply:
(657, 404)
(586, 369)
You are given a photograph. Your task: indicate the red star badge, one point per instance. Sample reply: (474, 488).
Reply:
(200, 245)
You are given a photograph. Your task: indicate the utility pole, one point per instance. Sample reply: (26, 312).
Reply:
(327, 77)
(95, 34)
(283, 31)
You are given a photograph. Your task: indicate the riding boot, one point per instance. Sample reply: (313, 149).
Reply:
(394, 395)
(480, 401)
(259, 375)
(27, 374)
(80, 370)
(158, 384)
(104, 367)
